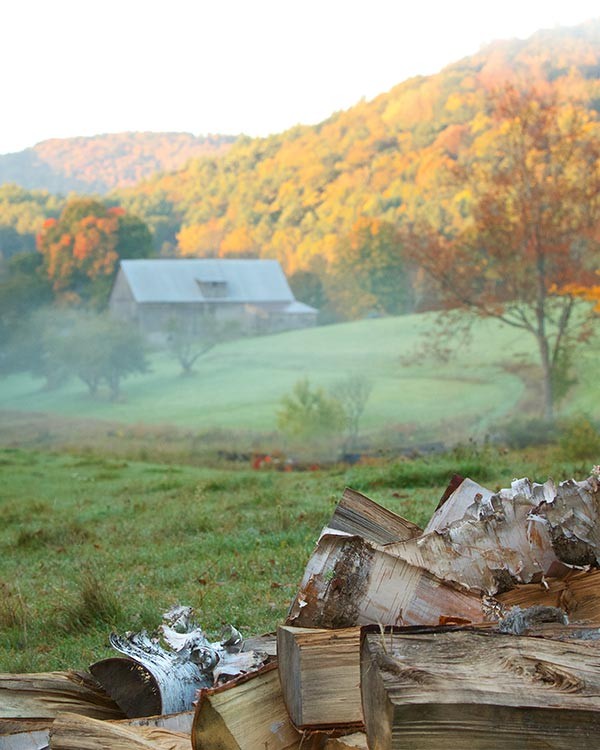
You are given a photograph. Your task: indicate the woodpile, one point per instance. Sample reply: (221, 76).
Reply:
(482, 629)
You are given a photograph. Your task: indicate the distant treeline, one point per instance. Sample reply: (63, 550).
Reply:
(340, 204)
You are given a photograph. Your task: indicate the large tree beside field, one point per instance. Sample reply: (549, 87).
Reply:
(82, 248)
(514, 230)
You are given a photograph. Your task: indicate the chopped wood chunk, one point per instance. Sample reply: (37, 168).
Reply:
(320, 676)
(358, 515)
(45, 694)
(248, 714)
(72, 732)
(480, 690)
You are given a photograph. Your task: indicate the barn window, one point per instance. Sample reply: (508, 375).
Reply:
(212, 288)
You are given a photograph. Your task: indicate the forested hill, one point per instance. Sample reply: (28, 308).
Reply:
(101, 163)
(297, 196)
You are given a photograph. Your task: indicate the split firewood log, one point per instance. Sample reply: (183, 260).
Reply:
(72, 732)
(41, 696)
(480, 689)
(320, 676)
(358, 515)
(246, 714)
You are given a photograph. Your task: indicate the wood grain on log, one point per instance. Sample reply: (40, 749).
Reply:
(248, 714)
(480, 690)
(320, 676)
(358, 515)
(72, 732)
(45, 694)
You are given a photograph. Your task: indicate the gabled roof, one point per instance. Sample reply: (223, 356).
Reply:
(179, 280)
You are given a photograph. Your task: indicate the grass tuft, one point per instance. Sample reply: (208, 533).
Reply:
(93, 604)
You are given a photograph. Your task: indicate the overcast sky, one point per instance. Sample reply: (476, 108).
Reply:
(75, 67)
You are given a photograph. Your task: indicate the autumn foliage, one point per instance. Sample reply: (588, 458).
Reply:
(81, 248)
(397, 159)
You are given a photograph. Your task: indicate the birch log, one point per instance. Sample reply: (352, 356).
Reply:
(320, 676)
(572, 515)
(455, 502)
(479, 690)
(350, 582)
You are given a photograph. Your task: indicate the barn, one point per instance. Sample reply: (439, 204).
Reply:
(250, 295)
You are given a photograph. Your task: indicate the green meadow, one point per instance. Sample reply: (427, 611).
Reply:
(90, 543)
(238, 385)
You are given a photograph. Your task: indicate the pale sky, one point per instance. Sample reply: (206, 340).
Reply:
(76, 67)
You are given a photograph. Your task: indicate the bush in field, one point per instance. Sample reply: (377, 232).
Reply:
(580, 440)
(523, 433)
(308, 413)
(352, 393)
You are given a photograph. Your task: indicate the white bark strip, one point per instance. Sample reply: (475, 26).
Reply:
(348, 582)
(495, 544)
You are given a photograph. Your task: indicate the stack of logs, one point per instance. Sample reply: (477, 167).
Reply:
(482, 629)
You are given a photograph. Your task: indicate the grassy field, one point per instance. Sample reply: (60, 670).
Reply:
(90, 543)
(238, 384)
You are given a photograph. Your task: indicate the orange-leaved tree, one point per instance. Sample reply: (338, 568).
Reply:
(513, 231)
(82, 247)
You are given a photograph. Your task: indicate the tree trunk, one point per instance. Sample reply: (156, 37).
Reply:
(547, 384)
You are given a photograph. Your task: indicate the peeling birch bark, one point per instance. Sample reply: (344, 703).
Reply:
(479, 690)
(493, 546)
(455, 506)
(349, 582)
(153, 679)
(572, 516)
(43, 695)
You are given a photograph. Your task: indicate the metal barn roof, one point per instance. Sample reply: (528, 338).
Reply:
(178, 280)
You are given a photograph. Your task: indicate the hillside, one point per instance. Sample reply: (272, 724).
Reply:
(297, 196)
(238, 385)
(101, 163)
